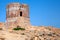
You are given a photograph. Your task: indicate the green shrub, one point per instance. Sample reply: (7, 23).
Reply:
(19, 28)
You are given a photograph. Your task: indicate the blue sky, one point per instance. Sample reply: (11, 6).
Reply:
(42, 12)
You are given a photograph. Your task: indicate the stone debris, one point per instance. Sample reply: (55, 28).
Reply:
(29, 35)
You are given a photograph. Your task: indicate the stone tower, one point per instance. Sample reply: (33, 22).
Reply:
(17, 15)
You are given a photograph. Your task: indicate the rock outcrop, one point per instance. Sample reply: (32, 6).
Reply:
(34, 33)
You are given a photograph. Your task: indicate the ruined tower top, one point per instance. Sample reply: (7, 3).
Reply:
(17, 10)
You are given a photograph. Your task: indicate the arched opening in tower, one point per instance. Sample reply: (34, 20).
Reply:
(21, 13)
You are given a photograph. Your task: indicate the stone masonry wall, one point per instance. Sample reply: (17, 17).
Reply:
(18, 21)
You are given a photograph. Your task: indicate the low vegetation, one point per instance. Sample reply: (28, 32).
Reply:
(18, 28)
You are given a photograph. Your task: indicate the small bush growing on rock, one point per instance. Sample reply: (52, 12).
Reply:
(19, 28)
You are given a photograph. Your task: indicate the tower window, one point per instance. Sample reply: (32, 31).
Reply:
(21, 13)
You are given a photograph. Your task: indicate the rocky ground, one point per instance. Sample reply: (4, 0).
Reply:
(34, 33)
